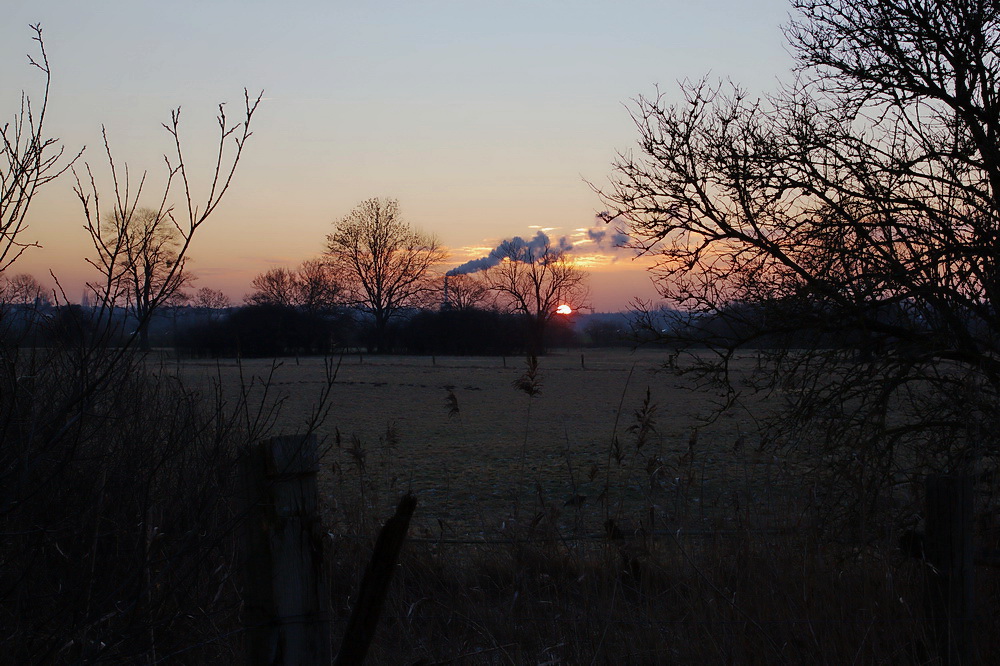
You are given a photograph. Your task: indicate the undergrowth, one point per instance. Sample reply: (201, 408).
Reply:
(641, 573)
(122, 531)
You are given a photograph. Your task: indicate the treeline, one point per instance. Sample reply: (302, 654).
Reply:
(272, 329)
(263, 329)
(260, 330)
(276, 330)
(797, 324)
(268, 329)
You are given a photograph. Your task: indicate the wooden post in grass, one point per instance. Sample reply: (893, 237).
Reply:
(375, 585)
(286, 593)
(949, 553)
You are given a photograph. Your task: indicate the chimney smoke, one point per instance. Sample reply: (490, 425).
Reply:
(514, 248)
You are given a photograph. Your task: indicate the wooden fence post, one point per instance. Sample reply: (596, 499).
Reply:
(949, 552)
(375, 585)
(286, 593)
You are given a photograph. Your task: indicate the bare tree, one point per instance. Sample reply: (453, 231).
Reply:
(386, 265)
(314, 287)
(858, 208)
(533, 280)
(142, 251)
(22, 289)
(28, 160)
(29, 300)
(105, 497)
(466, 292)
(211, 299)
(319, 286)
(275, 286)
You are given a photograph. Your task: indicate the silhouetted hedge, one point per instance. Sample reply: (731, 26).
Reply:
(268, 330)
(462, 332)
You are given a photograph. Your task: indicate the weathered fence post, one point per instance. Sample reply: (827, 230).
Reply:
(949, 552)
(375, 585)
(286, 595)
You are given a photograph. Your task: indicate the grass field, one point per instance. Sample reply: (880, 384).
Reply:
(474, 459)
(511, 558)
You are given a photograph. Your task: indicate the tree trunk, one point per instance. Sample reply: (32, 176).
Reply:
(536, 336)
(144, 336)
(381, 326)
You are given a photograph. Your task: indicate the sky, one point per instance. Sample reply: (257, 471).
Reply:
(486, 120)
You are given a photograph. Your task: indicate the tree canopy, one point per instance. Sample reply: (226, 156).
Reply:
(386, 265)
(862, 202)
(533, 280)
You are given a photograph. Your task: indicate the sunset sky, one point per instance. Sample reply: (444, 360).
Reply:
(485, 119)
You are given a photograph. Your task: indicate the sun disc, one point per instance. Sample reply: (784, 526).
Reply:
(564, 310)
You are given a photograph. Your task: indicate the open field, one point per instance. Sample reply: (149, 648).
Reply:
(502, 449)
(706, 561)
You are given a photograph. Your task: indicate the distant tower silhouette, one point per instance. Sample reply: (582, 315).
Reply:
(446, 305)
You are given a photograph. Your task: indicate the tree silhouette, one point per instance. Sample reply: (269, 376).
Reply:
(211, 299)
(466, 292)
(532, 280)
(142, 250)
(862, 205)
(386, 265)
(22, 289)
(319, 286)
(275, 286)
(28, 161)
(314, 287)
(97, 441)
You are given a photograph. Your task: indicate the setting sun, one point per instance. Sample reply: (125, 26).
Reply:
(564, 310)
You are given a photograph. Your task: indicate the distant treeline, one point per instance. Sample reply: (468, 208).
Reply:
(264, 330)
(274, 330)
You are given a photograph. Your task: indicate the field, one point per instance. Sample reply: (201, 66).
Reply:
(471, 459)
(599, 520)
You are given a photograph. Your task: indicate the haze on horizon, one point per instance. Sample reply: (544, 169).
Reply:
(485, 120)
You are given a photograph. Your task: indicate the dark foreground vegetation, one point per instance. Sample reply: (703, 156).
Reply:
(124, 542)
(119, 523)
(759, 572)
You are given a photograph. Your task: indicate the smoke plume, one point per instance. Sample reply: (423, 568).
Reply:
(514, 248)
(608, 239)
(607, 236)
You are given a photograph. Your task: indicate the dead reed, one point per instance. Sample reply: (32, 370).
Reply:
(642, 562)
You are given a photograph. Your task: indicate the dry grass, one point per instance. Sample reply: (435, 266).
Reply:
(394, 414)
(588, 523)
(120, 521)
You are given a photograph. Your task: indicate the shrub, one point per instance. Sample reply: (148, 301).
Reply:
(117, 518)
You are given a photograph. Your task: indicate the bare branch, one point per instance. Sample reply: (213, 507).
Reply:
(28, 161)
